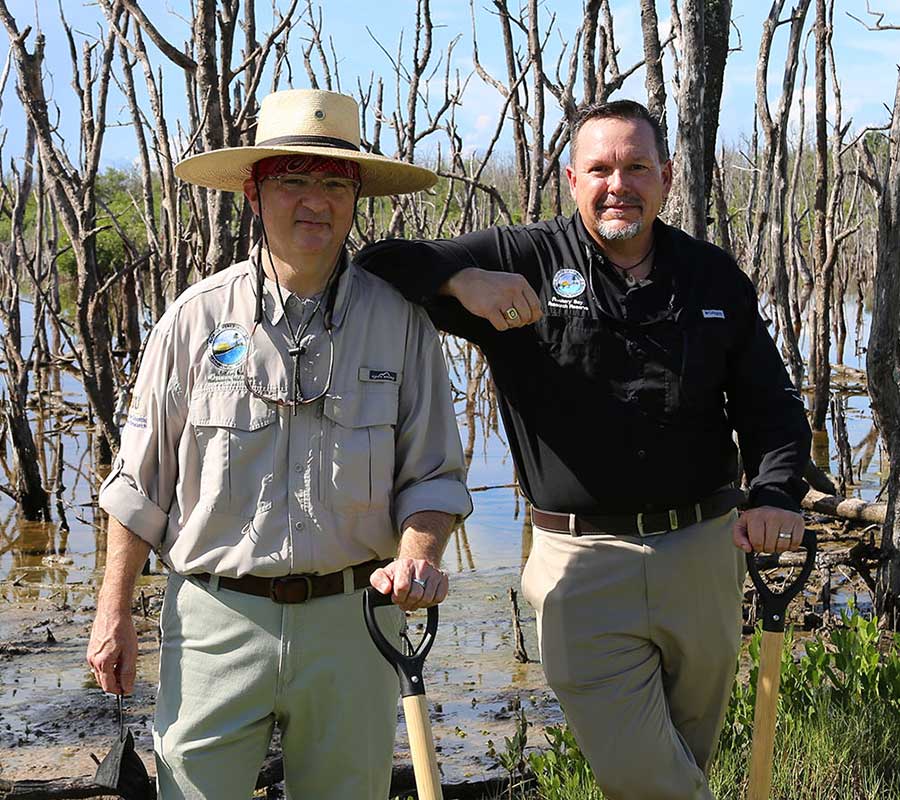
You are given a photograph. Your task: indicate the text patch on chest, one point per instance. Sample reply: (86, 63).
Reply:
(378, 375)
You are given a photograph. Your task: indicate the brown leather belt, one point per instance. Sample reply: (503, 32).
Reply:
(644, 524)
(297, 588)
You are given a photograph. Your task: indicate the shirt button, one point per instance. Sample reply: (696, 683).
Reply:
(299, 525)
(298, 467)
(642, 454)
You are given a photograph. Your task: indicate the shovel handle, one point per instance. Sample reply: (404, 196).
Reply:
(412, 687)
(409, 668)
(774, 604)
(421, 748)
(768, 682)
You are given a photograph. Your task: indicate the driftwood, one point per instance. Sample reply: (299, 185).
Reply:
(520, 655)
(844, 508)
(272, 772)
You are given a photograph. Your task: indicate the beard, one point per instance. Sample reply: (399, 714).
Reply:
(612, 231)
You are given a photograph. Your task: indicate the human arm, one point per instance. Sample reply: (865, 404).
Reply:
(773, 434)
(113, 647)
(465, 283)
(430, 493)
(137, 495)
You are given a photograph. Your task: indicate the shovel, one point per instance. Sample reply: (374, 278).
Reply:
(415, 707)
(122, 769)
(774, 608)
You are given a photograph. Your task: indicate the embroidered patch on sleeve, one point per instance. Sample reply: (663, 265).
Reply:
(713, 313)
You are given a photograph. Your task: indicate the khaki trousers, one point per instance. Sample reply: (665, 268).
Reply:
(639, 639)
(233, 665)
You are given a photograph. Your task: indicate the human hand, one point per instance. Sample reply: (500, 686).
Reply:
(113, 649)
(412, 583)
(495, 296)
(761, 530)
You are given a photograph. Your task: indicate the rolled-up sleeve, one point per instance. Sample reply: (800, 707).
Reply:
(430, 472)
(139, 490)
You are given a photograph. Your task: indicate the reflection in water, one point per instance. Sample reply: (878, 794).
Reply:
(38, 562)
(463, 548)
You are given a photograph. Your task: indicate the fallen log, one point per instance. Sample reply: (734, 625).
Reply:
(402, 783)
(844, 508)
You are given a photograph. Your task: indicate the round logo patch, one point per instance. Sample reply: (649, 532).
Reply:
(228, 345)
(569, 283)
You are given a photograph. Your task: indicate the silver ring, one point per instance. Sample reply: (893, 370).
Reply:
(784, 535)
(511, 314)
(419, 582)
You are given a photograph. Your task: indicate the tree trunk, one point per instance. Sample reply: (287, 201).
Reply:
(717, 26)
(883, 366)
(820, 363)
(653, 77)
(690, 182)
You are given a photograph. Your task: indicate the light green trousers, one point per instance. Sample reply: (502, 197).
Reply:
(233, 665)
(639, 640)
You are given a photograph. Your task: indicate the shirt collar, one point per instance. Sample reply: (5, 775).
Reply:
(273, 308)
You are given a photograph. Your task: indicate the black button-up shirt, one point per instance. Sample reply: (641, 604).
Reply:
(622, 398)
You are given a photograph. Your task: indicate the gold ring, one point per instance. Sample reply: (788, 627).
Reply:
(511, 314)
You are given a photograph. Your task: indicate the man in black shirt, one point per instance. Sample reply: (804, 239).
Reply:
(625, 355)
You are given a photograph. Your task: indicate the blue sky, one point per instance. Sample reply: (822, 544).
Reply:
(866, 61)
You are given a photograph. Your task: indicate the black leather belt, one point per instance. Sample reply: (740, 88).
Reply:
(643, 524)
(297, 588)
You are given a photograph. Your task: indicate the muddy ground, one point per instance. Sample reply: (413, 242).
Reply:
(53, 716)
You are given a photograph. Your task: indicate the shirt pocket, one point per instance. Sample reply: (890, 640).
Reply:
(356, 468)
(236, 442)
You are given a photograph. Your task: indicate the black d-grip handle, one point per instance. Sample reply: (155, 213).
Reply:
(774, 604)
(409, 668)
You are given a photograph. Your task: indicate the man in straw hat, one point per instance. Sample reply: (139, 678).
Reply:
(290, 421)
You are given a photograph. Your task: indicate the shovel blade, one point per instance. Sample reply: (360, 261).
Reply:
(123, 771)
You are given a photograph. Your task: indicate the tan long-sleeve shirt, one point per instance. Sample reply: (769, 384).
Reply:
(220, 477)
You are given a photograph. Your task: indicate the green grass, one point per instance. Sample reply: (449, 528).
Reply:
(833, 753)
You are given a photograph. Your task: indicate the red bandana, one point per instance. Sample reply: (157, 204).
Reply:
(289, 165)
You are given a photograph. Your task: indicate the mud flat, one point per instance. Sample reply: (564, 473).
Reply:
(53, 716)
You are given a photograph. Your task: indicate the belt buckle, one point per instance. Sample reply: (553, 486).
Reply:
(640, 526)
(286, 580)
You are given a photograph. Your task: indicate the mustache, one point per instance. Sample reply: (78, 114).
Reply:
(629, 200)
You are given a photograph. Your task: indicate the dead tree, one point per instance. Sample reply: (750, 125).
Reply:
(653, 76)
(828, 210)
(883, 366)
(772, 174)
(29, 493)
(72, 193)
(687, 204)
(716, 29)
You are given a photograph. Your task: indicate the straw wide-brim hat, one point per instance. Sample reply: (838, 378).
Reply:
(305, 122)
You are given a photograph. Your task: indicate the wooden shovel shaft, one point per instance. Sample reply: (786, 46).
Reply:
(767, 685)
(421, 747)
